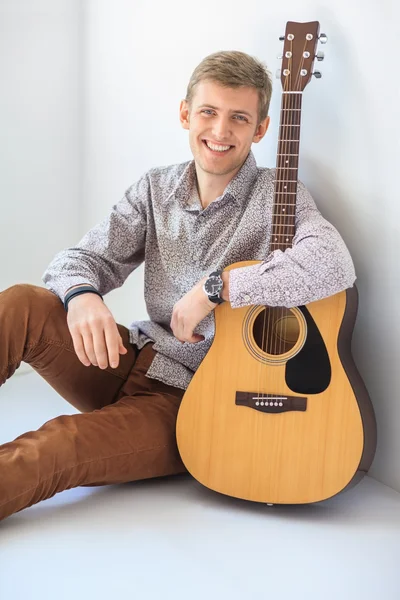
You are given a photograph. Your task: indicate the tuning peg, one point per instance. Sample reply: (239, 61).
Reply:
(317, 74)
(320, 55)
(323, 38)
(278, 73)
(282, 38)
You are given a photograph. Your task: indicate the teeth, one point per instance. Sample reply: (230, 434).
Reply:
(218, 148)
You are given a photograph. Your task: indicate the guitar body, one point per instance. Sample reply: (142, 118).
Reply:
(283, 421)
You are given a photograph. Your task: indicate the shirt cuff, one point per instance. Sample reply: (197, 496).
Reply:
(60, 285)
(243, 286)
(248, 286)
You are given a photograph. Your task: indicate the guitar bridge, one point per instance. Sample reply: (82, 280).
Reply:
(271, 403)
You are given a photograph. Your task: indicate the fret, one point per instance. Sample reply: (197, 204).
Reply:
(282, 234)
(291, 109)
(282, 225)
(286, 180)
(286, 154)
(285, 203)
(277, 205)
(290, 125)
(286, 193)
(292, 92)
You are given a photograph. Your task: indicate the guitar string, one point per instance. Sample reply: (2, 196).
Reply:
(270, 347)
(286, 151)
(287, 146)
(289, 150)
(280, 228)
(296, 102)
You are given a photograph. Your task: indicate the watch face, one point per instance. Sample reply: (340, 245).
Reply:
(213, 285)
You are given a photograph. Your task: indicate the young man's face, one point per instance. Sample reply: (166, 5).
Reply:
(226, 117)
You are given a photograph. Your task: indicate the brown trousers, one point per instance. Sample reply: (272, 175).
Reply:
(125, 430)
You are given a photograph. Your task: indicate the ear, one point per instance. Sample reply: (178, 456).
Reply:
(261, 130)
(184, 114)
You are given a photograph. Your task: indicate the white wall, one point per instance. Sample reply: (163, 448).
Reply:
(40, 124)
(137, 59)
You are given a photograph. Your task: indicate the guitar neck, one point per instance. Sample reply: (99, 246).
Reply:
(287, 165)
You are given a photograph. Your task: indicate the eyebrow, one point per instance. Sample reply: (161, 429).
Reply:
(244, 112)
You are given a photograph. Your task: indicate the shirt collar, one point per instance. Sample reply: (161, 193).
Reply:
(185, 190)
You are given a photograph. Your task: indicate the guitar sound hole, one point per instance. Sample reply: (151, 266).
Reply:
(276, 330)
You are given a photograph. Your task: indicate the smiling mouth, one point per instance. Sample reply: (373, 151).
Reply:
(217, 152)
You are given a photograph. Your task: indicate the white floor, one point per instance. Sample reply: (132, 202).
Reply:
(172, 538)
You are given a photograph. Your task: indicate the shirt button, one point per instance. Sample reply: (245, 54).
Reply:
(247, 297)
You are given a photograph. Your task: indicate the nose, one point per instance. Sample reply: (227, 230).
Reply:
(221, 130)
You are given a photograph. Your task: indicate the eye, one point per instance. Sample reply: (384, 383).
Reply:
(208, 110)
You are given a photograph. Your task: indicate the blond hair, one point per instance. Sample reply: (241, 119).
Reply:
(234, 69)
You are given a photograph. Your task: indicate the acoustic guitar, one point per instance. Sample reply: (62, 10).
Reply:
(277, 411)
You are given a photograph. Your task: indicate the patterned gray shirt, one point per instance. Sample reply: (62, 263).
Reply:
(160, 220)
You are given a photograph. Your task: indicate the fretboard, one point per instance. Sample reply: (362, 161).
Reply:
(287, 164)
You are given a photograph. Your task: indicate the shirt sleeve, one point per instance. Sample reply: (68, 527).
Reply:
(108, 252)
(316, 266)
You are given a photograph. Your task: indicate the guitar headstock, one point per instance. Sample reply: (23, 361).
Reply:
(299, 53)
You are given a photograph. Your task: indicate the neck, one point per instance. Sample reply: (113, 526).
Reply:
(284, 211)
(211, 186)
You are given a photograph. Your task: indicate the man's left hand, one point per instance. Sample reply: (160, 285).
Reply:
(192, 308)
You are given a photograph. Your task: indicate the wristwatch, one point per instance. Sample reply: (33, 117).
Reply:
(213, 287)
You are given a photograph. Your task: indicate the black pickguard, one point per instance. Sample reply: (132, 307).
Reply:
(309, 372)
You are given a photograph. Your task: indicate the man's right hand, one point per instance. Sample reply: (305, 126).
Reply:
(94, 331)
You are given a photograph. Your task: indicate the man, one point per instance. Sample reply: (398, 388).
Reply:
(184, 221)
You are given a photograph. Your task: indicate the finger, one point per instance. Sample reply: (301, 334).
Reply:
(187, 333)
(175, 329)
(77, 341)
(100, 347)
(88, 344)
(194, 338)
(112, 343)
(197, 338)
